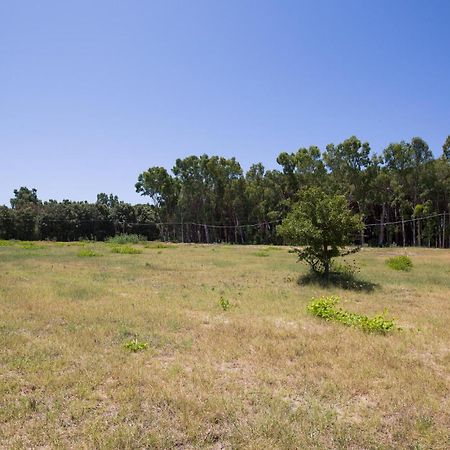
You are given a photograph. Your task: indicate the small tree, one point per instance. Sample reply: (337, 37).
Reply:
(324, 225)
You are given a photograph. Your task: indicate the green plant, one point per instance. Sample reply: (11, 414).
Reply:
(325, 308)
(325, 225)
(86, 252)
(125, 238)
(135, 346)
(400, 263)
(224, 303)
(126, 250)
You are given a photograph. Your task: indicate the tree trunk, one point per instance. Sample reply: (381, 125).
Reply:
(443, 232)
(419, 237)
(403, 231)
(381, 235)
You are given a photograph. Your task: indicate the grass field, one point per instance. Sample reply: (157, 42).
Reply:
(259, 373)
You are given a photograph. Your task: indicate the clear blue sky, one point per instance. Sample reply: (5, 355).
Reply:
(93, 92)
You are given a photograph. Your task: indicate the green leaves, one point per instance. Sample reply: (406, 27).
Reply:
(135, 346)
(325, 308)
(400, 263)
(324, 224)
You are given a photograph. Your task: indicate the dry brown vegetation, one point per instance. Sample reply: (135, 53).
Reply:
(262, 374)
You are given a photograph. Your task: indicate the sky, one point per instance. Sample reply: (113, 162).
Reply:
(94, 92)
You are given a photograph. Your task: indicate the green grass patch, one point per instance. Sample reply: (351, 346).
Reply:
(28, 245)
(126, 239)
(158, 245)
(400, 263)
(86, 253)
(325, 308)
(261, 254)
(126, 250)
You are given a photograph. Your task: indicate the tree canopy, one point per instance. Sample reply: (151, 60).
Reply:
(324, 225)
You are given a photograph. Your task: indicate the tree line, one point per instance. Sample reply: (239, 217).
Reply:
(29, 218)
(402, 193)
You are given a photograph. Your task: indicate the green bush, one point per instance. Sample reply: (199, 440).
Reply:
(86, 252)
(126, 250)
(325, 308)
(126, 239)
(134, 345)
(400, 263)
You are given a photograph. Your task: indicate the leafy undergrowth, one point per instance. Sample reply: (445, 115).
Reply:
(400, 263)
(135, 346)
(86, 252)
(126, 239)
(325, 308)
(126, 250)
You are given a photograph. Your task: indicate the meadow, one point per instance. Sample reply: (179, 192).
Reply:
(232, 358)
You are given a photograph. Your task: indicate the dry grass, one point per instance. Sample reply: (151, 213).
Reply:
(263, 374)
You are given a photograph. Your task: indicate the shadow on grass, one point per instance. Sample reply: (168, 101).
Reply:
(337, 279)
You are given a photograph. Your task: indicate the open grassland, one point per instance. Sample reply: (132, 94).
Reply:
(233, 359)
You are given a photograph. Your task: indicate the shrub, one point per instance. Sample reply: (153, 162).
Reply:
(126, 250)
(86, 252)
(400, 263)
(325, 308)
(135, 346)
(126, 239)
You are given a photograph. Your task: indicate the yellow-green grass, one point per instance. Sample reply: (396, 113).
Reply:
(261, 374)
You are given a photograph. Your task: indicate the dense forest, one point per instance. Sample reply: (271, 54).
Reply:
(403, 194)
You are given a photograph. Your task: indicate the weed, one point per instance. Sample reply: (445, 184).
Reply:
(126, 250)
(135, 346)
(324, 308)
(400, 263)
(224, 303)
